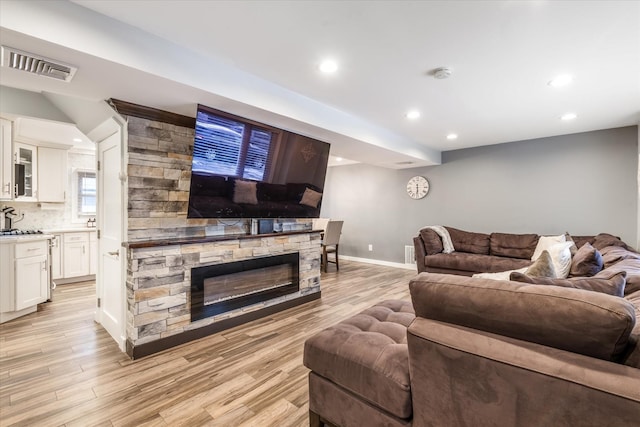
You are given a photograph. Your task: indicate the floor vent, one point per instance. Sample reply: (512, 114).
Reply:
(409, 255)
(34, 64)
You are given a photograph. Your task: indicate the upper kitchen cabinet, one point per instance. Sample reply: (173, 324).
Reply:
(26, 167)
(52, 174)
(6, 161)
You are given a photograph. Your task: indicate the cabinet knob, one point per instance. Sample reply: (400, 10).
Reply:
(114, 253)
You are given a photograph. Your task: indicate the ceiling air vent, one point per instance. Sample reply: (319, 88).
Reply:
(24, 61)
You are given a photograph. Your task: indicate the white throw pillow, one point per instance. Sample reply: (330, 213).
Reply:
(545, 242)
(561, 257)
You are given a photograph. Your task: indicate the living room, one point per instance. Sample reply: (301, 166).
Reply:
(575, 177)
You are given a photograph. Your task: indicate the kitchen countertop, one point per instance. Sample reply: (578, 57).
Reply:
(68, 230)
(24, 238)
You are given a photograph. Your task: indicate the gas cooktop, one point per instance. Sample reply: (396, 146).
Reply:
(16, 232)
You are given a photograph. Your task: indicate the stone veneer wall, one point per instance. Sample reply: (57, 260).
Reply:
(159, 280)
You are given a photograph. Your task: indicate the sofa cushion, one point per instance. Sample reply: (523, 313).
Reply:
(632, 267)
(632, 358)
(474, 262)
(367, 355)
(614, 254)
(587, 261)
(432, 241)
(589, 323)
(513, 245)
(613, 285)
(467, 241)
(603, 240)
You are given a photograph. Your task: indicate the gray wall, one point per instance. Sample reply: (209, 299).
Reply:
(582, 183)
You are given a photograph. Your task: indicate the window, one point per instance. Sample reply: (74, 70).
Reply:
(86, 193)
(225, 146)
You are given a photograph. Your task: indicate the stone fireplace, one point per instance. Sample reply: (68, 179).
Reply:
(248, 276)
(220, 288)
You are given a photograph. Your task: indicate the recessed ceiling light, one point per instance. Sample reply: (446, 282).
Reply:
(77, 140)
(338, 159)
(568, 116)
(413, 114)
(452, 136)
(328, 66)
(561, 80)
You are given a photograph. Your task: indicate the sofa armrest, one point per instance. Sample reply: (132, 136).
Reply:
(420, 253)
(461, 375)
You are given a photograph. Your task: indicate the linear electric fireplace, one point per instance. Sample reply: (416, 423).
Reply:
(220, 288)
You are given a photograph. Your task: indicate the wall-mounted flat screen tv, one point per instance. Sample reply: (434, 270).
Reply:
(245, 169)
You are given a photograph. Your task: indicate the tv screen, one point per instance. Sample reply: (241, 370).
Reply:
(246, 169)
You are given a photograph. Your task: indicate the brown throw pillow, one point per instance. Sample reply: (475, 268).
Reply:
(311, 198)
(586, 262)
(432, 241)
(573, 248)
(245, 192)
(542, 267)
(611, 286)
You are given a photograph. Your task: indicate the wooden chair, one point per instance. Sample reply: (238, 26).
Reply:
(330, 243)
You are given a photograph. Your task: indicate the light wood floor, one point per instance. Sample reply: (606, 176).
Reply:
(57, 367)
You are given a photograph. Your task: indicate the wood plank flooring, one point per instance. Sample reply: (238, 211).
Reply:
(59, 368)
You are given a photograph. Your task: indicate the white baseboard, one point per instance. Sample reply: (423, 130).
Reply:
(380, 262)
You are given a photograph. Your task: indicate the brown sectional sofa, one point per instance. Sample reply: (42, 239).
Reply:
(479, 352)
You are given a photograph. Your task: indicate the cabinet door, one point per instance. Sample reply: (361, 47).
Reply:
(6, 161)
(31, 281)
(75, 254)
(27, 155)
(93, 253)
(52, 174)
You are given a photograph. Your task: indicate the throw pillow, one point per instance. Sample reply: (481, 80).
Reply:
(611, 286)
(245, 192)
(561, 256)
(574, 247)
(542, 267)
(586, 262)
(311, 198)
(545, 242)
(432, 241)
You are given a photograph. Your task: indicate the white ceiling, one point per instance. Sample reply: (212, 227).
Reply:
(259, 59)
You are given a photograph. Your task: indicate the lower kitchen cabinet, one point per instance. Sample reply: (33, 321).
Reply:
(76, 254)
(24, 276)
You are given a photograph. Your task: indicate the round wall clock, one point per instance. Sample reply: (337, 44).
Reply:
(417, 187)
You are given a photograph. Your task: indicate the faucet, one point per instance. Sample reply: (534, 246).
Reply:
(8, 214)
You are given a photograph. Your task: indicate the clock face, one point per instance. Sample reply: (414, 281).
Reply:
(417, 187)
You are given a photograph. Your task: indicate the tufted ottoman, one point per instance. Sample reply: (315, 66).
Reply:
(360, 369)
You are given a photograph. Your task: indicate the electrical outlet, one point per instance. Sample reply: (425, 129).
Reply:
(370, 247)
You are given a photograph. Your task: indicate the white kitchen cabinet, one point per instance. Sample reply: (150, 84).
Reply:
(27, 155)
(6, 160)
(56, 257)
(52, 174)
(93, 252)
(31, 281)
(76, 254)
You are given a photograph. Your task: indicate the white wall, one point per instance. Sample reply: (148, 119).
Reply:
(583, 183)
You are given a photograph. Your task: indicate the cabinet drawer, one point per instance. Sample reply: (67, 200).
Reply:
(80, 237)
(28, 249)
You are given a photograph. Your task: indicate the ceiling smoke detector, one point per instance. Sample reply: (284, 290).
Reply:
(34, 64)
(442, 72)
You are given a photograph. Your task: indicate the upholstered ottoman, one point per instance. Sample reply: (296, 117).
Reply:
(360, 369)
